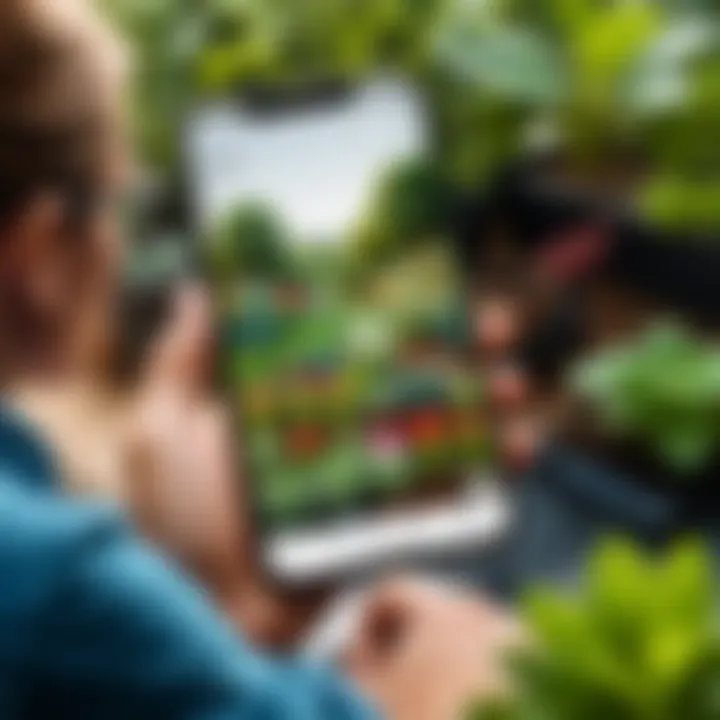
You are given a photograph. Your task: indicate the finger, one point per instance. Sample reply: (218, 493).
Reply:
(509, 388)
(151, 444)
(384, 616)
(181, 358)
(392, 617)
(219, 517)
(196, 497)
(497, 325)
(520, 441)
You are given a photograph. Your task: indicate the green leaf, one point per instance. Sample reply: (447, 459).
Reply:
(688, 449)
(605, 46)
(638, 641)
(570, 16)
(661, 390)
(507, 62)
(677, 203)
(687, 572)
(619, 578)
(661, 80)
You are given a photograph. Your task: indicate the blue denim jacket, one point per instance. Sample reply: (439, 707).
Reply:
(93, 624)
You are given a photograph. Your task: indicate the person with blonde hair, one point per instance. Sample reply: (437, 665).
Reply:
(94, 623)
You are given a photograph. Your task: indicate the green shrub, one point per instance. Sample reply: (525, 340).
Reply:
(188, 50)
(607, 83)
(675, 203)
(639, 641)
(568, 64)
(661, 389)
(596, 77)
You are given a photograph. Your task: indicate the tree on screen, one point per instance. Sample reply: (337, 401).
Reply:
(251, 241)
(411, 204)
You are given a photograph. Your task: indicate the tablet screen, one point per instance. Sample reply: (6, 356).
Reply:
(346, 346)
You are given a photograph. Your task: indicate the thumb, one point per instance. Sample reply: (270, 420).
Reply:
(388, 621)
(181, 358)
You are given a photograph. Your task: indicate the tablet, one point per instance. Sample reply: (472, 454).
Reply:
(345, 342)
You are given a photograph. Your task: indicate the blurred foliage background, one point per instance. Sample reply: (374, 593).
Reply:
(615, 85)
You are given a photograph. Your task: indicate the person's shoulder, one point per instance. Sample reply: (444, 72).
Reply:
(36, 518)
(41, 533)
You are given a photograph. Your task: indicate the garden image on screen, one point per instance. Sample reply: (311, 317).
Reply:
(347, 352)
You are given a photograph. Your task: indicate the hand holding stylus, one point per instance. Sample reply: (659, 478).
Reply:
(426, 652)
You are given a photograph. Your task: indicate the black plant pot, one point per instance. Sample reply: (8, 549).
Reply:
(529, 220)
(532, 211)
(567, 504)
(617, 497)
(677, 274)
(564, 506)
(631, 485)
(678, 271)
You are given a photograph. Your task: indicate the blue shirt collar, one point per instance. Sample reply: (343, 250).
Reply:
(25, 457)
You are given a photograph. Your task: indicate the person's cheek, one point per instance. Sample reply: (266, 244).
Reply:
(112, 247)
(33, 273)
(45, 291)
(104, 255)
(96, 276)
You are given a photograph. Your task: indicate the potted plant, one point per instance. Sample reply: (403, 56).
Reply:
(638, 640)
(649, 407)
(618, 98)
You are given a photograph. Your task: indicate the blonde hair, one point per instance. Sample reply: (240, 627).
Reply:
(60, 69)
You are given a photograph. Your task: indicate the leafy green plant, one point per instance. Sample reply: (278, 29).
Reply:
(674, 202)
(603, 80)
(673, 91)
(662, 390)
(296, 40)
(483, 85)
(166, 37)
(638, 641)
(567, 65)
(606, 83)
(677, 99)
(187, 50)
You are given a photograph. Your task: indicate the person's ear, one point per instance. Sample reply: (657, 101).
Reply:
(33, 227)
(41, 215)
(30, 245)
